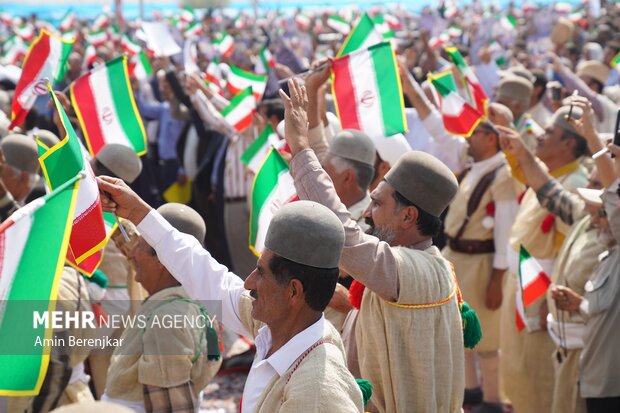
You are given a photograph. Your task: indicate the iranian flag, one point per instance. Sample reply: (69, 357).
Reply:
(265, 62)
(33, 244)
(392, 21)
(129, 46)
(213, 77)
(105, 106)
(273, 187)
(362, 36)
(532, 284)
(187, 15)
(101, 22)
(439, 41)
(190, 56)
(459, 117)
(476, 94)
(367, 92)
(141, 66)
(224, 43)
(615, 61)
(14, 49)
(59, 164)
(508, 22)
(256, 153)
(97, 38)
(302, 21)
(25, 30)
(45, 61)
(193, 30)
(338, 24)
(68, 21)
(92, 263)
(240, 110)
(382, 26)
(239, 80)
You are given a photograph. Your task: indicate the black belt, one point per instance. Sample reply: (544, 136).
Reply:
(471, 246)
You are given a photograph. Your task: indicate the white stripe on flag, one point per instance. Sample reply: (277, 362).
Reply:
(49, 70)
(242, 110)
(529, 271)
(368, 97)
(88, 193)
(107, 115)
(283, 192)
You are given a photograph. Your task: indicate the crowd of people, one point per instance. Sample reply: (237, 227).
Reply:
(362, 298)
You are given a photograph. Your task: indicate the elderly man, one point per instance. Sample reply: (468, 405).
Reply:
(300, 362)
(409, 332)
(477, 228)
(526, 368)
(515, 92)
(19, 168)
(157, 368)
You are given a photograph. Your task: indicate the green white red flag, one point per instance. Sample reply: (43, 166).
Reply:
(258, 150)
(239, 79)
(129, 46)
(303, 22)
(61, 163)
(193, 30)
(363, 35)
(240, 110)
(213, 77)
(68, 21)
(459, 117)
(533, 284)
(14, 49)
(140, 66)
(265, 61)
(25, 30)
(367, 91)
(273, 187)
(101, 22)
(33, 244)
(45, 62)
(383, 27)
(339, 24)
(224, 43)
(477, 97)
(106, 109)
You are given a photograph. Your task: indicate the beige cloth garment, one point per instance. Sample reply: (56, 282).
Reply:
(160, 357)
(298, 390)
(540, 114)
(526, 369)
(413, 357)
(474, 270)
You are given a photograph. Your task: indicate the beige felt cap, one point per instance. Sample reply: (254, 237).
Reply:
(92, 406)
(47, 137)
(121, 160)
(562, 31)
(354, 145)
(560, 118)
(591, 196)
(518, 71)
(307, 233)
(184, 219)
(424, 180)
(593, 69)
(20, 151)
(515, 87)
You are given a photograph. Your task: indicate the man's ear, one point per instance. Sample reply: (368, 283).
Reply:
(296, 291)
(409, 217)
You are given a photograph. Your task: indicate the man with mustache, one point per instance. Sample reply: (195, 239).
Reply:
(409, 332)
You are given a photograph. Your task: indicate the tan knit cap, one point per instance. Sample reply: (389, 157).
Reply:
(121, 160)
(560, 118)
(562, 31)
(515, 87)
(20, 151)
(354, 145)
(594, 69)
(424, 180)
(185, 219)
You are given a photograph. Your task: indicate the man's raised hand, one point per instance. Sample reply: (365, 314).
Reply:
(118, 197)
(295, 116)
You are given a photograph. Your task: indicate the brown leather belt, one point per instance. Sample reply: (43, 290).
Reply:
(235, 199)
(471, 246)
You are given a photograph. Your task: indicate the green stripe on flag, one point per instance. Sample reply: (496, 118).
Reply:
(358, 35)
(35, 287)
(67, 45)
(125, 105)
(248, 75)
(444, 83)
(390, 91)
(145, 63)
(236, 100)
(265, 182)
(255, 146)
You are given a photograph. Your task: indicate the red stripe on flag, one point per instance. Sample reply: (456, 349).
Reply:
(345, 94)
(86, 233)
(519, 322)
(31, 67)
(89, 265)
(244, 123)
(86, 106)
(536, 289)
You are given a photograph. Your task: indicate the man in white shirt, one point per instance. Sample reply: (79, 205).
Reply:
(300, 363)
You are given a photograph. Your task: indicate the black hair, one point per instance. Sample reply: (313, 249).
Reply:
(428, 225)
(275, 109)
(581, 146)
(319, 283)
(540, 79)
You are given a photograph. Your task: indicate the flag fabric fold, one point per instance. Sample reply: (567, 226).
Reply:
(45, 62)
(240, 110)
(106, 109)
(477, 97)
(459, 117)
(239, 79)
(363, 35)
(256, 153)
(368, 93)
(273, 187)
(33, 244)
(532, 284)
(59, 164)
